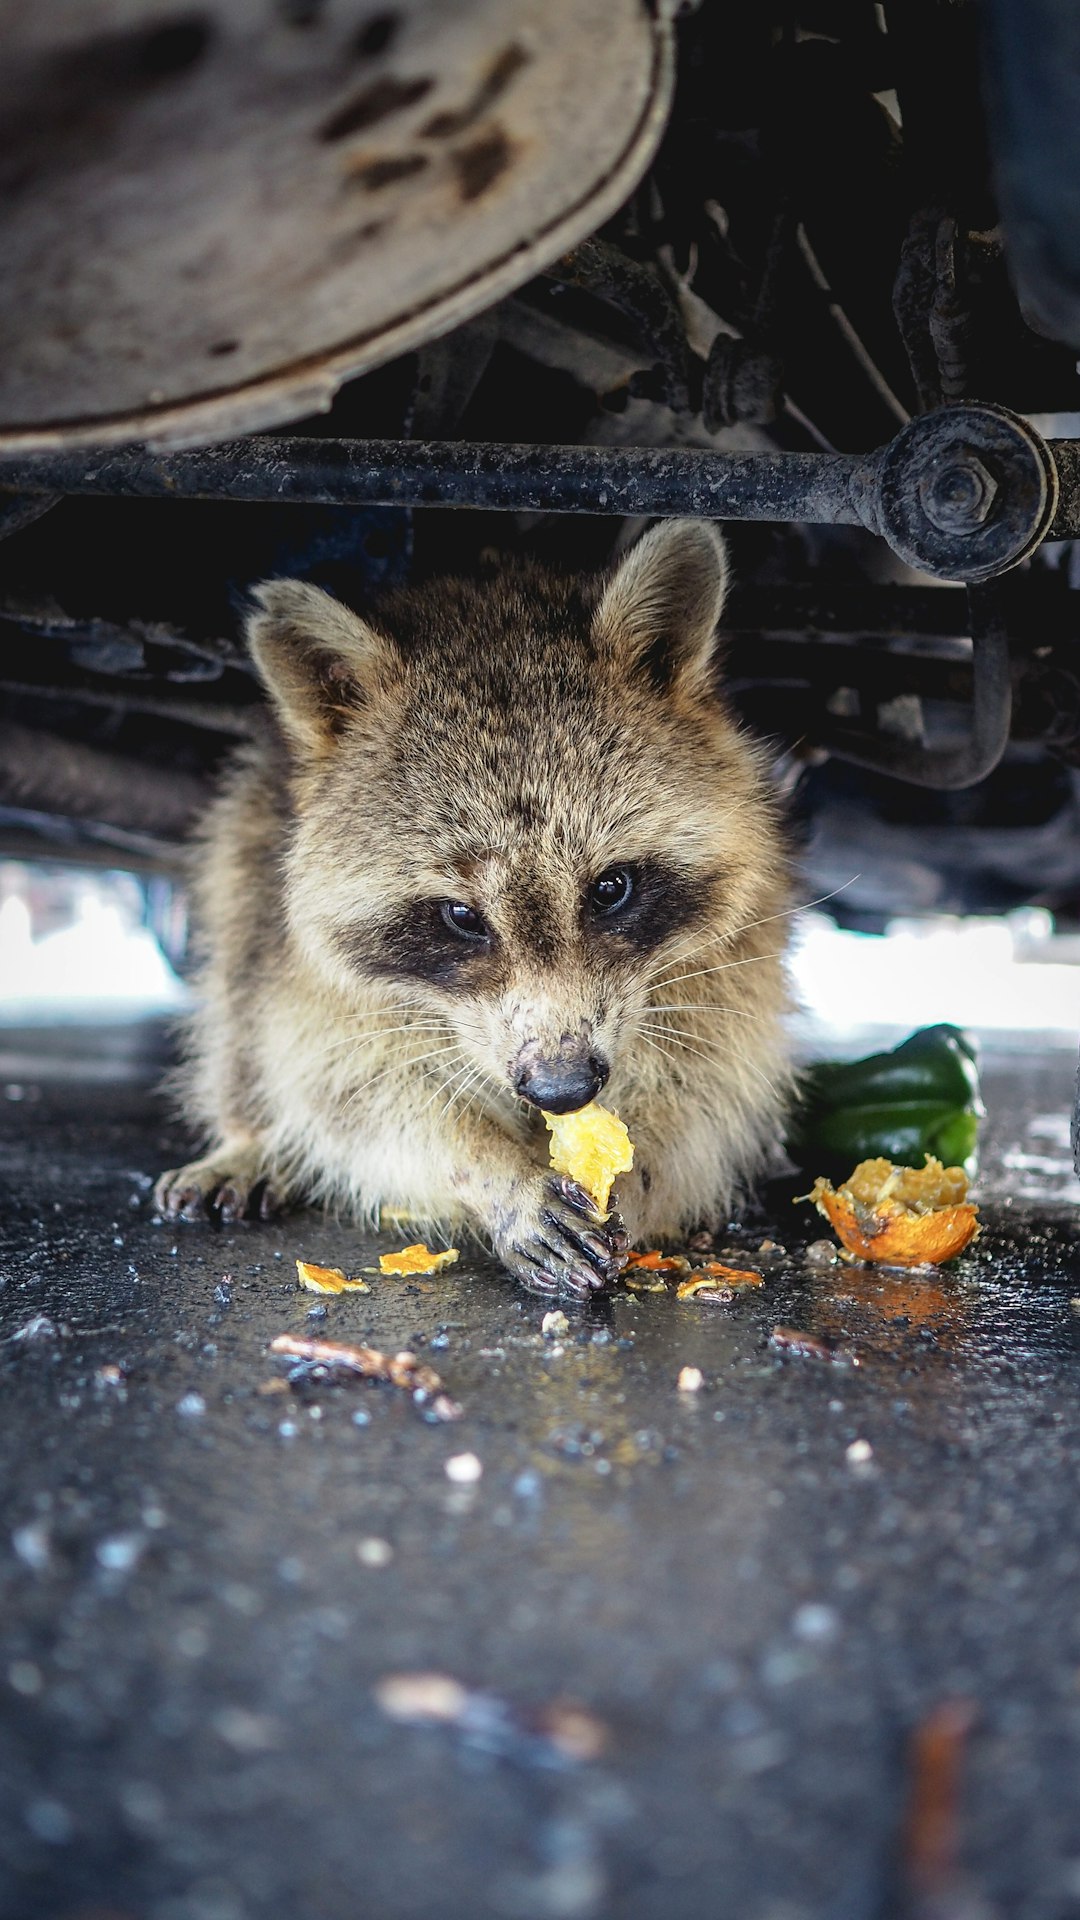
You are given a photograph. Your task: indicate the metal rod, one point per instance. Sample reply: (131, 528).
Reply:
(949, 768)
(800, 487)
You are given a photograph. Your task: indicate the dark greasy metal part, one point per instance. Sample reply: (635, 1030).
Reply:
(742, 383)
(1032, 50)
(816, 487)
(961, 494)
(20, 510)
(637, 291)
(949, 768)
(40, 772)
(966, 492)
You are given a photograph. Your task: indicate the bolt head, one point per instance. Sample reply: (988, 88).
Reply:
(958, 493)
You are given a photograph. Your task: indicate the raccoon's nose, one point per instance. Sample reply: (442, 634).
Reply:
(560, 1085)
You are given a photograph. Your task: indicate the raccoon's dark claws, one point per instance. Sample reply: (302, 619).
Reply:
(565, 1246)
(228, 1187)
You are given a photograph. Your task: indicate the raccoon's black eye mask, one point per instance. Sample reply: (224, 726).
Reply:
(644, 903)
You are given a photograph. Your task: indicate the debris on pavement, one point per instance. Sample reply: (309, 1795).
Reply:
(691, 1380)
(558, 1734)
(554, 1325)
(935, 1884)
(464, 1469)
(904, 1216)
(654, 1261)
(417, 1259)
(327, 1279)
(807, 1346)
(399, 1369)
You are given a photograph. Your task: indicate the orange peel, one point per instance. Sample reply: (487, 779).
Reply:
(903, 1216)
(590, 1146)
(731, 1276)
(315, 1279)
(654, 1261)
(417, 1259)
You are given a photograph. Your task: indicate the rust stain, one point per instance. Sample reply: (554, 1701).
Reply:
(384, 171)
(478, 165)
(378, 102)
(447, 125)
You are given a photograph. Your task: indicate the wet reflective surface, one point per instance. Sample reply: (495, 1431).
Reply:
(754, 1591)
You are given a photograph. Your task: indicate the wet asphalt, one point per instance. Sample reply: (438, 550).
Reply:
(693, 1635)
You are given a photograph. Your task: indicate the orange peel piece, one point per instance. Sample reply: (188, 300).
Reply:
(417, 1259)
(904, 1216)
(591, 1146)
(656, 1262)
(731, 1276)
(315, 1279)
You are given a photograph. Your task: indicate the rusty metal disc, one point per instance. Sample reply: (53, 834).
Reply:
(211, 215)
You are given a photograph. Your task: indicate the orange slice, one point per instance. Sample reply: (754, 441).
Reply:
(905, 1216)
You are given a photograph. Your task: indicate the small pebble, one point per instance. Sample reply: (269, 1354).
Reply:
(859, 1452)
(361, 1418)
(464, 1469)
(191, 1406)
(815, 1621)
(25, 1678)
(554, 1324)
(374, 1553)
(820, 1253)
(691, 1380)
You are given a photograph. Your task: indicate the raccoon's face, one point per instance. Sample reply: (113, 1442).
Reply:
(525, 810)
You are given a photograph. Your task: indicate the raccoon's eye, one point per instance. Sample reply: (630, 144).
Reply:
(611, 890)
(463, 920)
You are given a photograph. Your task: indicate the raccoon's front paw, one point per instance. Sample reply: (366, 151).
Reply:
(226, 1186)
(554, 1241)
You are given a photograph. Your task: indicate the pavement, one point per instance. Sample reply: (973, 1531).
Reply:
(803, 1644)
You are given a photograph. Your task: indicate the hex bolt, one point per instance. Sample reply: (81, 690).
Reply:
(956, 496)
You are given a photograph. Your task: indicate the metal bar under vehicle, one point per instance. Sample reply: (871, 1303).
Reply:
(962, 494)
(483, 474)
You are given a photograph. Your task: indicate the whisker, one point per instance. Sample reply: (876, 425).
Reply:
(396, 1066)
(787, 913)
(718, 1046)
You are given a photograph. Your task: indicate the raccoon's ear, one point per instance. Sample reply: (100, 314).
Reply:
(660, 610)
(316, 659)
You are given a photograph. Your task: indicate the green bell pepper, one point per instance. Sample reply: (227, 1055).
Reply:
(922, 1097)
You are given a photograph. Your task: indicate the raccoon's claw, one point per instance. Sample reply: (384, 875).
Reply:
(565, 1246)
(220, 1188)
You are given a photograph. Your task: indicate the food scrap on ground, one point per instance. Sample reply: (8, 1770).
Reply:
(591, 1147)
(656, 1262)
(904, 1216)
(417, 1259)
(930, 1850)
(315, 1279)
(807, 1346)
(399, 1369)
(735, 1277)
(559, 1733)
(705, 1286)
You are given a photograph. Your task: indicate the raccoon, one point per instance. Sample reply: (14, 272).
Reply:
(501, 849)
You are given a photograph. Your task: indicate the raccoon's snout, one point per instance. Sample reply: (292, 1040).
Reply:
(562, 1081)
